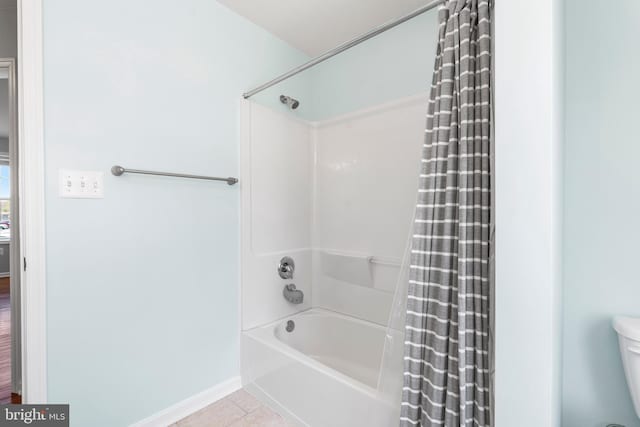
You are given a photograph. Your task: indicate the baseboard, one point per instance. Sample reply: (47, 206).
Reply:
(190, 405)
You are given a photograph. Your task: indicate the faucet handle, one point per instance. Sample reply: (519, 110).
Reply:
(286, 268)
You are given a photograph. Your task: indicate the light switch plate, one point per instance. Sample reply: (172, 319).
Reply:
(81, 184)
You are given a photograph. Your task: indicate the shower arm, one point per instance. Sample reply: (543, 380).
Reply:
(345, 46)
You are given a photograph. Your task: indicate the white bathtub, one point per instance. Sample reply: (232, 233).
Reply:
(322, 374)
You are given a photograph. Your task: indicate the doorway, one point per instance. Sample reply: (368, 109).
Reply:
(10, 342)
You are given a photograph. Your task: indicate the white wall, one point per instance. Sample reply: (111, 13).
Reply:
(366, 169)
(528, 145)
(276, 177)
(8, 33)
(4, 114)
(343, 190)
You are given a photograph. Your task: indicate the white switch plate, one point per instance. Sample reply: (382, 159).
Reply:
(81, 184)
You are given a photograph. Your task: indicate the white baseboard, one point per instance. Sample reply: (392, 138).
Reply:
(190, 405)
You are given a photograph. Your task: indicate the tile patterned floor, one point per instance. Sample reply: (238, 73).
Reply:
(239, 409)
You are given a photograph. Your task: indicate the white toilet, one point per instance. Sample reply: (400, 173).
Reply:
(628, 329)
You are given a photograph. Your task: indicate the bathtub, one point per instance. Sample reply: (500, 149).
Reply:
(324, 373)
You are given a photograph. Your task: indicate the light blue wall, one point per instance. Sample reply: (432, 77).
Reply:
(602, 201)
(395, 64)
(142, 285)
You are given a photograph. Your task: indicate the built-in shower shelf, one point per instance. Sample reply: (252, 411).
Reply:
(355, 269)
(393, 262)
(352, 268)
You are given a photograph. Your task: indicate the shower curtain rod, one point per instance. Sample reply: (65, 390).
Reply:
(348, 45)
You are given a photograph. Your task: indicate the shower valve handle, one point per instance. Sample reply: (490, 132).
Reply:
(286, 268)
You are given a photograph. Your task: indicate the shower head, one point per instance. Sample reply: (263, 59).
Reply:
(289, 102)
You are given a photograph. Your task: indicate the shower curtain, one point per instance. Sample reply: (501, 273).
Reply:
(446, 351)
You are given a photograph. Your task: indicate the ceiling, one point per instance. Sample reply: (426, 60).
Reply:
(315, 26)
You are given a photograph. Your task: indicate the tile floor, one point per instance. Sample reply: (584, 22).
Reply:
(239, 409)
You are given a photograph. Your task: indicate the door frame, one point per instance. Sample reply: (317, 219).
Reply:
(32, 201)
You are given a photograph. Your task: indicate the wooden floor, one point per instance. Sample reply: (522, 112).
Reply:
(5, 342)
(239, 409)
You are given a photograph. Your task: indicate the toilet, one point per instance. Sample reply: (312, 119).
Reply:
(628, 329)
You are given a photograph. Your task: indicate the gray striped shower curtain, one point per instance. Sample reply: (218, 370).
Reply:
(446, 350)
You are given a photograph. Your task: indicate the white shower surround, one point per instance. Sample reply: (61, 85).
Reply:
(337, 196)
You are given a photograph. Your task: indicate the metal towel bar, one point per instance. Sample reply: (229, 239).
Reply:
(119, 170)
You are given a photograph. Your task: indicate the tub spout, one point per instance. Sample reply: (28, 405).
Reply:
(293, 295)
